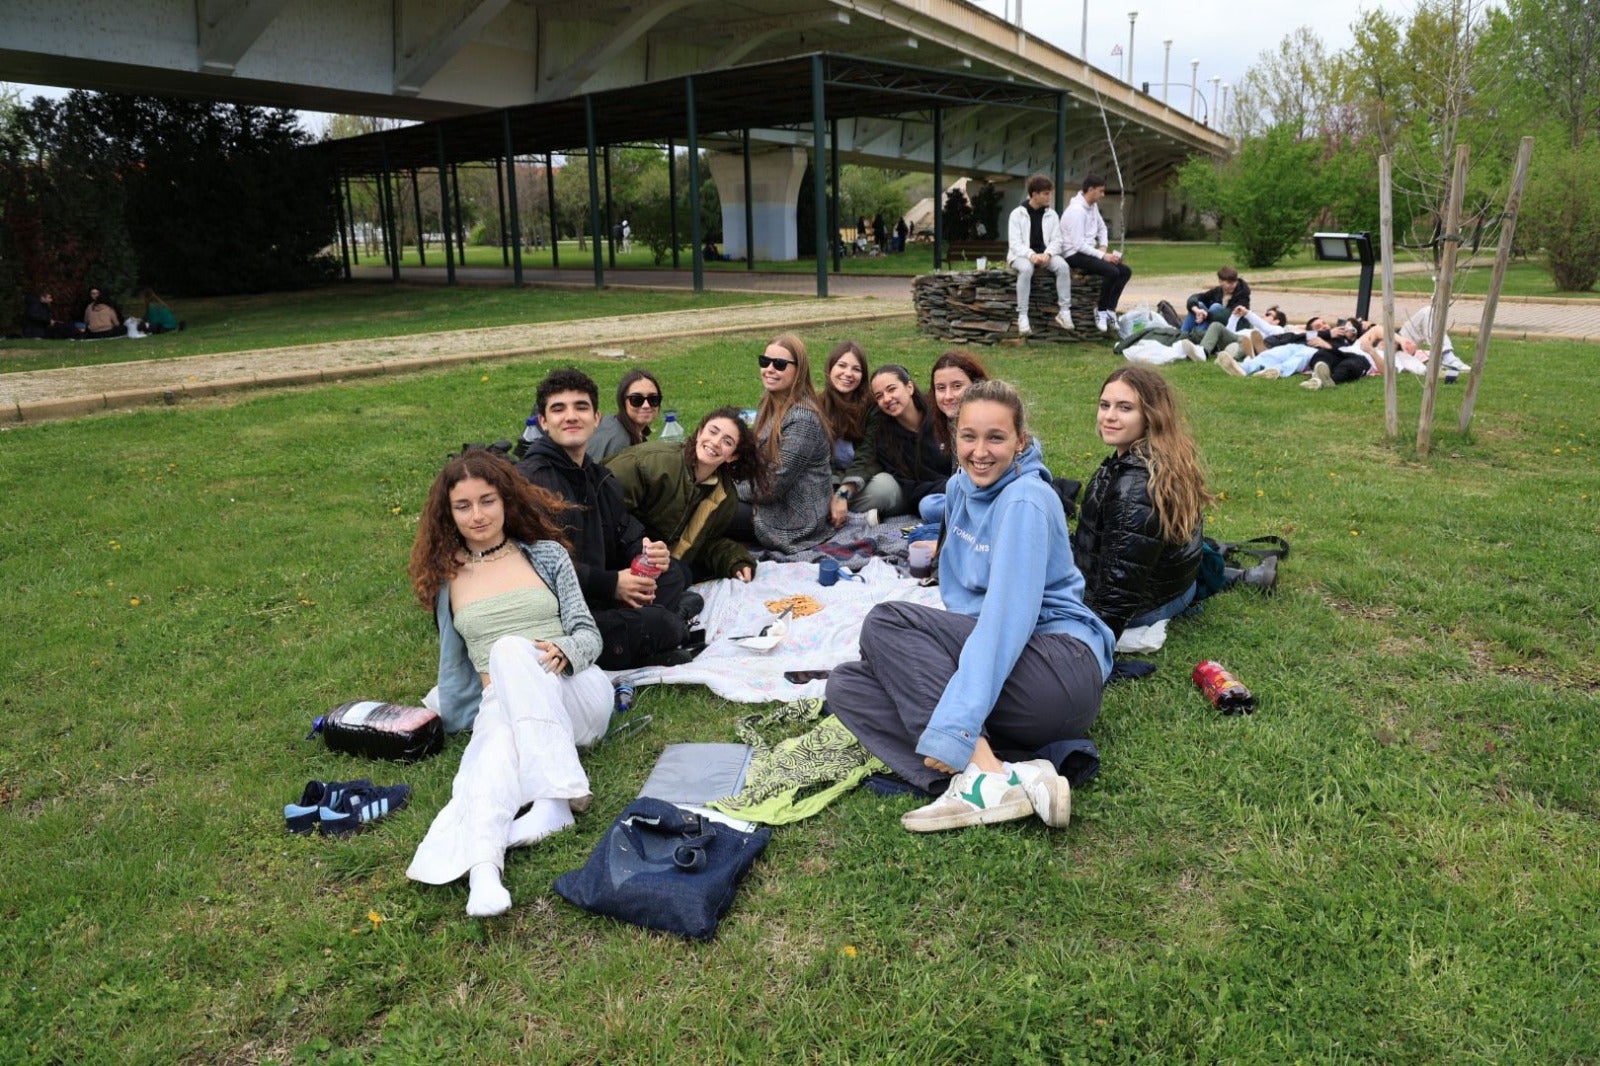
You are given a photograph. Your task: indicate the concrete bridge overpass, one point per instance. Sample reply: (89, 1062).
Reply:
(435, 59)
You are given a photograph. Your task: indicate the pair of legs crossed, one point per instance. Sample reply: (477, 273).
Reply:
(908, 655)
(1113, 278)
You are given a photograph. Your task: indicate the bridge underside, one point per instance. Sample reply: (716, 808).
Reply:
(438, 59)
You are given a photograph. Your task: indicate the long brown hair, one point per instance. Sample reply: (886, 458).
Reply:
(747, 464)
(1177, 483)
(532, 514)
(968, 364)
(845, 414)
(774, 406)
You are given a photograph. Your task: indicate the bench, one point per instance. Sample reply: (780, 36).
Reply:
(994, 251)
(980, 307)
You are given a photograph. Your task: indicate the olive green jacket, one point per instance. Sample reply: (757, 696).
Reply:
(659, 489)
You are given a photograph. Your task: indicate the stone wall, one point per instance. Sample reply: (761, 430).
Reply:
(980, 307)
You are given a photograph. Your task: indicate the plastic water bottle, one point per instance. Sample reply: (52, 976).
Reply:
(672, 430)
(1226, 692)
(531, 431)
(624, 699)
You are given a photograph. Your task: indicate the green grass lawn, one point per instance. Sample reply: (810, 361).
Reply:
(1522, 279)
(1396, 859)
(353, 311)
(1200, 258)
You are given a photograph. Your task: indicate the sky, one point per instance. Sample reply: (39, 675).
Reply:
(1226, 37)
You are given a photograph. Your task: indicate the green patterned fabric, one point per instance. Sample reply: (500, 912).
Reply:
(796, 776)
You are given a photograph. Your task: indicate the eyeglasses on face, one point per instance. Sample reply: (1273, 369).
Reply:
(644, 399)
(780, 365)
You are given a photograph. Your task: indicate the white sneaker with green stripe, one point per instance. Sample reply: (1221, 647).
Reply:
(1046, 789)
(975, 797)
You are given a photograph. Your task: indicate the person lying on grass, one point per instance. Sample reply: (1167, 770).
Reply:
(517, 647)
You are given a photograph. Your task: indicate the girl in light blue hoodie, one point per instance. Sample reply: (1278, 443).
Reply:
(1015, 662)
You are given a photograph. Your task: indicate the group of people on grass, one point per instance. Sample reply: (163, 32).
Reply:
(1219, 323)
(98, 319)
(533, 573)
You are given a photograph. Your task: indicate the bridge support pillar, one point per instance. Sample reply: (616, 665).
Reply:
(775, 185)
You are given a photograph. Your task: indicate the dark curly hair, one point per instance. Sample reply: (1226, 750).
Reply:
(747, 464)
(532, 514)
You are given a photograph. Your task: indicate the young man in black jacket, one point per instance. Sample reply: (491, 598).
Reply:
(643, 620)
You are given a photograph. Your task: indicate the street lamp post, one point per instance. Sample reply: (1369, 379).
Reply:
(1222, 108)
(1194, 92)
(1215, 78)
(1131, 16)
(1166, 68)
(1083, 41)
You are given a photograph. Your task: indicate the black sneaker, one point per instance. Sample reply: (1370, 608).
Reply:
(1170, 313)
(690, 605)
(319, 796)
(360, 806)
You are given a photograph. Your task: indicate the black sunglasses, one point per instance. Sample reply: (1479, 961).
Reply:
(779, 364)
(644, 399)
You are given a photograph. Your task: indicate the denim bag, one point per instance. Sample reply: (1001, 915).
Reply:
(664, 868)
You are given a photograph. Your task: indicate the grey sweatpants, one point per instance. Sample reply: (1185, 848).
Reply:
(908, 655)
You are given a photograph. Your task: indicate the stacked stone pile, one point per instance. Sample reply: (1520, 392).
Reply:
(980, 307)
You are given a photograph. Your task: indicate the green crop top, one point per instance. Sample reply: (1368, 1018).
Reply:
(530, 612)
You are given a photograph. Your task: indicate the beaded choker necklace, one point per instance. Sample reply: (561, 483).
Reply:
(491, 553)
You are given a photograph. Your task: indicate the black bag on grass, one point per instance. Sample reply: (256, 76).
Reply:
(665, 868)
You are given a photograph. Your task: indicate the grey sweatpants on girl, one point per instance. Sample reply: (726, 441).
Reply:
(908, 655)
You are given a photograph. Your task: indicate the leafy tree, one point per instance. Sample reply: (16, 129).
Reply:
(986, 206)
(64, 189)
(1561, 212)
(865, 192)
(1549, 54)
(959, 221)
(1265, 197)
(1298, 85)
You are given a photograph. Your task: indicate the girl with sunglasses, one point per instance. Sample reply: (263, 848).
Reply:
(638, 403)
(685, 494)
(791, 515)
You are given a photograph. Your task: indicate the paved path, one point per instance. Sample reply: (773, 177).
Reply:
(69, 392)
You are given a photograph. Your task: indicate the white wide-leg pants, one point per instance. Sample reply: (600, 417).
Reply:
(524, 747)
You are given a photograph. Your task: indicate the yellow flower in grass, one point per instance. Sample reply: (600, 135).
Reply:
(134, 602)
(376, 919)
(848, 951)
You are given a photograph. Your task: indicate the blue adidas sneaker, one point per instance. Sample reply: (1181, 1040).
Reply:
(360, 806)
(304, 816)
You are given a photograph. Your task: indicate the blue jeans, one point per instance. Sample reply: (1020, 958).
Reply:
(1171, 609)
(1218, 313)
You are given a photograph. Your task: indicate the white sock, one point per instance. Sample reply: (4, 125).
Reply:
(547, 816)
(486, 897)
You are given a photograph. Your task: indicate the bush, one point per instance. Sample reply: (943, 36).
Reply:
(1561, 212)
(1265, 197)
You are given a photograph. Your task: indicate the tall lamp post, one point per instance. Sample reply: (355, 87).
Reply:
(1166, 67)
(1083, 41)
(1215, 78)
(1194, 90)
(1222, 108)
(1131, 16)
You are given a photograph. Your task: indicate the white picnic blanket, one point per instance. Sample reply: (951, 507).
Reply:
(819, 641)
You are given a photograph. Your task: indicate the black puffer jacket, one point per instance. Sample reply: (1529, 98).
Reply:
(1127, 568)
